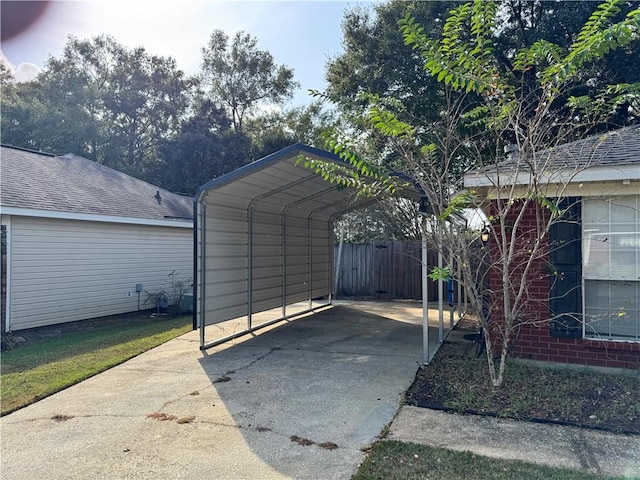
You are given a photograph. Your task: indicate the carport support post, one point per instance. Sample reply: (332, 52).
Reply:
(459, 283)
(249, 266)
(440, 299)
(310, 258)
(283, 222)
(425, 299)
(335, 288)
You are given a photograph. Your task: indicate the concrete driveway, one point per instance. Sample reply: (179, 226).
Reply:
(271, 406)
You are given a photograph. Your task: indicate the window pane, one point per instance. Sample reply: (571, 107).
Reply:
(595, 253)
(624, 209)
(612, 310)
(597, 323)
(624, 252)
(595, 211)
(611, 267)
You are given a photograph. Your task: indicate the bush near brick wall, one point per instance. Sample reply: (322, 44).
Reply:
(533, 340)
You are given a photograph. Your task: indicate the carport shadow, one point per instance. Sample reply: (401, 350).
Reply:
(309, 394)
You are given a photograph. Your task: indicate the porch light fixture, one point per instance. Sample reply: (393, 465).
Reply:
(485, 234)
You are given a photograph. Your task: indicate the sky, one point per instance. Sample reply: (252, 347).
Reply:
(302, 35)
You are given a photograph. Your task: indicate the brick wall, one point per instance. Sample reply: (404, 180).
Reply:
(533, 341)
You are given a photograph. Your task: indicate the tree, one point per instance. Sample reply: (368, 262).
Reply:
(101, 100)
(529, 105)
(6, 76)
(135, 99)
(375, 59)
(273, 131)
(391, 219)
(242, 77)
(204, 148)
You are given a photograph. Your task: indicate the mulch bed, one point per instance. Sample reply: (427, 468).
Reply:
(457, 380)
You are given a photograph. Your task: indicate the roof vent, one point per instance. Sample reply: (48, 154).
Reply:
(158, 197)
(512, 151)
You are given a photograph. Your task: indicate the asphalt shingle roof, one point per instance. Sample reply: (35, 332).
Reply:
(70, 183)
(618, 147)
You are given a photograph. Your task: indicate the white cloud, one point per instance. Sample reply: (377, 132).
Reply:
(26, 72)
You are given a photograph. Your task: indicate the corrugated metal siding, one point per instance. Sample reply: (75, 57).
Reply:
(226, 251)
(321, 253)
(68, 270)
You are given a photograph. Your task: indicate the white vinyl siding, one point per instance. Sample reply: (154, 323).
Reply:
(611, 267)
(68, 270)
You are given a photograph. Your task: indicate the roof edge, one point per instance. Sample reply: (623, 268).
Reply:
(295, 149)
(54, 214)
(28, 150)
(264, 162)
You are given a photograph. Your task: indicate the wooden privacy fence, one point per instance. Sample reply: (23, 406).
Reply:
(384, 270)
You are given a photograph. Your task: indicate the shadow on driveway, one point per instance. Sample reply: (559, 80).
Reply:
(275, 405)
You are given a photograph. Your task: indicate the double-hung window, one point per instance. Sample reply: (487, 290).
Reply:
(611, 267)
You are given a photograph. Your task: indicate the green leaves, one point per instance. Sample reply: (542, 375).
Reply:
(440, 273)
(388, 124)
(462, 62)
(459, 203)
(596, 39)
(541, 54)
(241, 76)
(366, 179)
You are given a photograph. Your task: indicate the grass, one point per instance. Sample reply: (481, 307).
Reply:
(43, 366)
(392, 460)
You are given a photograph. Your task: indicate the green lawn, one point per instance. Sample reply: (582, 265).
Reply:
(44, 366)
(391, 460)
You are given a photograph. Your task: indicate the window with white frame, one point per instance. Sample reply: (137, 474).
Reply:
(611, 267)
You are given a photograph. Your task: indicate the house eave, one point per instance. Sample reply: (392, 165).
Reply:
(630, 172)
(27, 212)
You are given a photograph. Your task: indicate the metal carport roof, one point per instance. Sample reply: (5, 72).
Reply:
(264, 238)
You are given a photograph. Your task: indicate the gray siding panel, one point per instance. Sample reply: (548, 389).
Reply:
(68, 270)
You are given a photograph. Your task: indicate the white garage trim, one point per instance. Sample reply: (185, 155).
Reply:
(28, 212)
(5, 221)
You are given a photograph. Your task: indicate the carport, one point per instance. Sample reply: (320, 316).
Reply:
(263, 243)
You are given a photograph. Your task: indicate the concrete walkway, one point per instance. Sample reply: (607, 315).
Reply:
(271, 406)
(559, 446)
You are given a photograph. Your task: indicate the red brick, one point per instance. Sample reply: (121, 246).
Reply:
(530, 350)
(559, 358)
(615, 364)
(628, 358)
